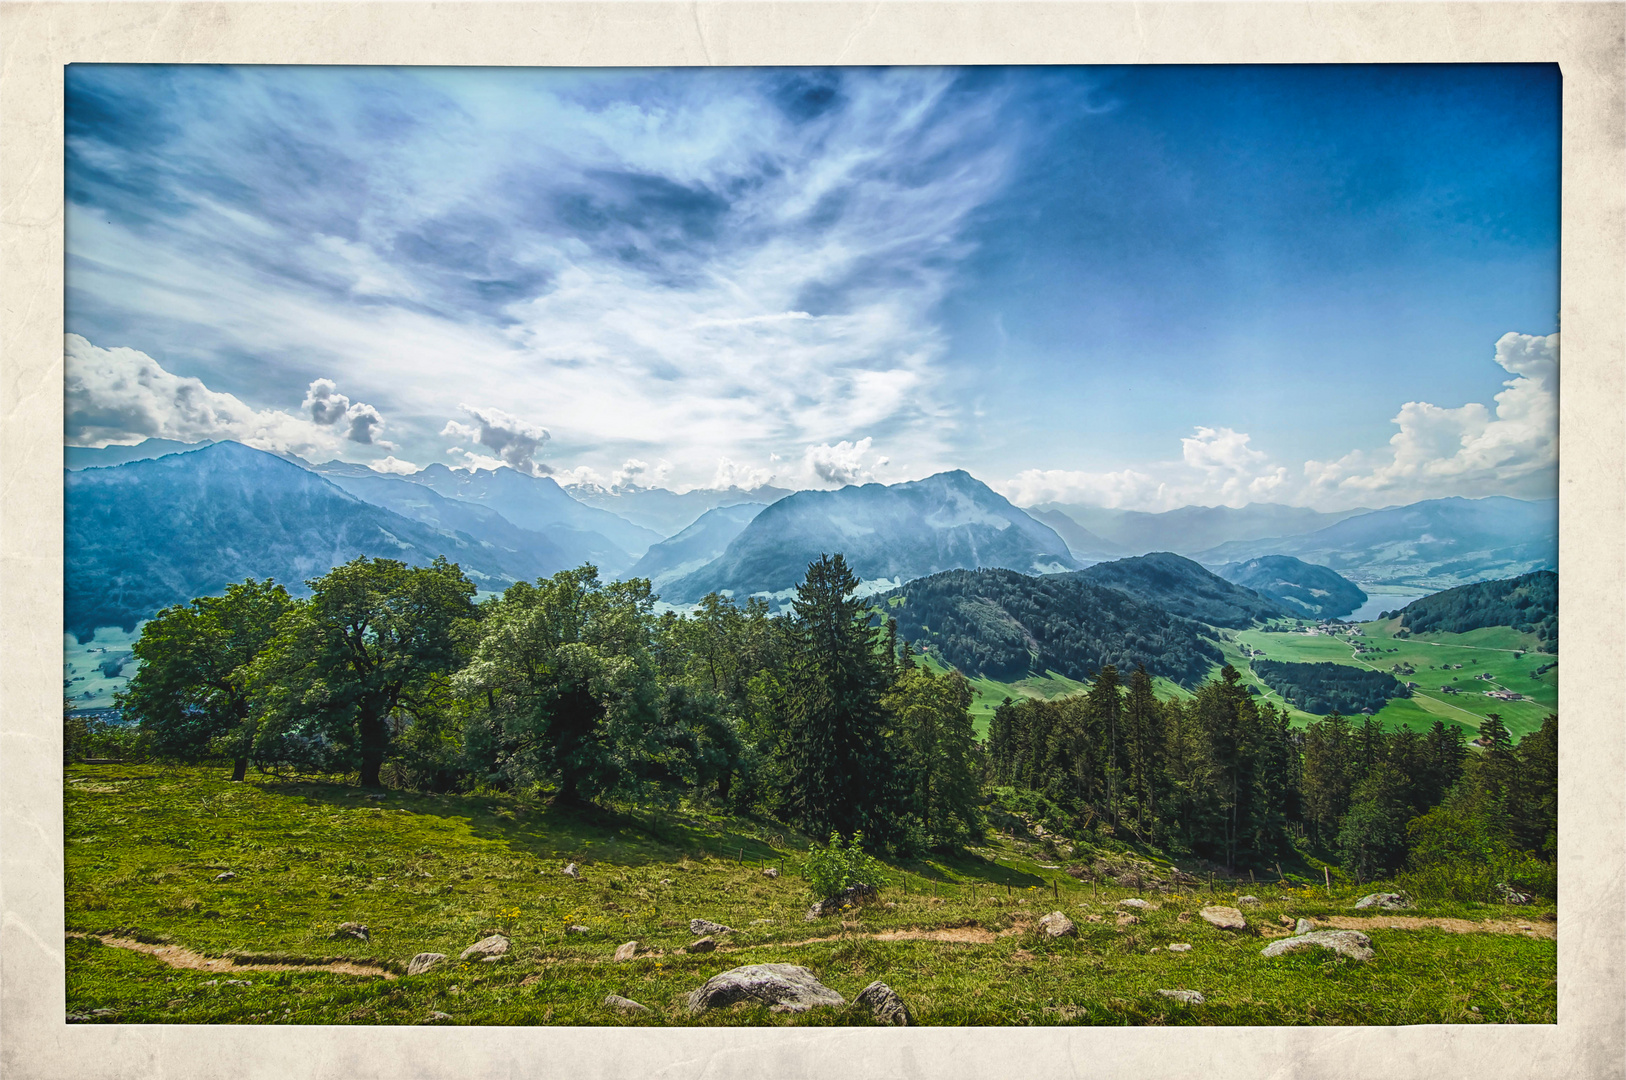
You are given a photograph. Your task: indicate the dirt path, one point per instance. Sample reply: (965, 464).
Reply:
(1533, 928)
(177, 956)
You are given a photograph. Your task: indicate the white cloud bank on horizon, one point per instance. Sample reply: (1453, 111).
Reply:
(1468, 450)
(123, 396)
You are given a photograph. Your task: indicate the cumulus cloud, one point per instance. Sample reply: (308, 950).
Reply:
(843, 463)
(515, 441)
(1438, 451)
(123, 396)
(326, 406)
(732, 474)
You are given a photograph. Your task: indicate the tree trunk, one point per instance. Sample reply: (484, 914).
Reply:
(239, 769)
(371, 764)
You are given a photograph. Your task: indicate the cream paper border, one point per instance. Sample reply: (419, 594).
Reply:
(1586, 39)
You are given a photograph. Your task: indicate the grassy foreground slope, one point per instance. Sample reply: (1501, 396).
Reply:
(434, 873)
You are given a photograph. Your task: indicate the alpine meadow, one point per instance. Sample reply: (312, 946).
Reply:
(807, 547)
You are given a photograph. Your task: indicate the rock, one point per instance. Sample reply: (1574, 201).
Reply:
(226, 876)
(666, 881)
(1387, 900)
(705, 944)
(1093, 917)
(351, 930)
(229, 982)
(1179, 946)
(372, 796)
(1138, 904)
(705, 928)
(1056, 924)
(1184, 916)
(495, 945)
(1184, 997)
(1304, 926)
(435, 1018)
(1286, 920)
(781, 987)
(627, 951)
(1126, 919)
(770, 871)
(423, 962)
(885, 1003)
(851, 896)
(578, 928)
(1350, 943)
(1226, 918)
(570, 871)
(1248, 900)
(625, 1005)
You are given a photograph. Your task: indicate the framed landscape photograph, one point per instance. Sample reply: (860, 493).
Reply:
(778, 545)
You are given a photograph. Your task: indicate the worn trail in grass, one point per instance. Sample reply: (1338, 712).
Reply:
(434, 874)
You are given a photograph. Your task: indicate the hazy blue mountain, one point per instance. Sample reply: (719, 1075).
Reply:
(1434, 544)
(1007, 625)
(1182, 587)
(1310, 590)
(1085, 545)
(1191, 529)
(668, 512)
(422, 503)
(950, 521)
(538, 503)
(88, 457)
(150, 533)
(695, 546)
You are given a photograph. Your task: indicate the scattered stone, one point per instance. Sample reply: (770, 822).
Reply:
(1248, 900)
(495, 945)
(570, 871)
(666, 881)
(625, 1005)
(782, 987)
(226, 876)
(1350, 943)
(423, 962)
(851, 896)
(705, 944)
(1184, 916)
(435, 1018)
(351, 930)
(78, 1018)
(1184, 997)
(578, 928)
(1056, 924)
(885, 1003)
(1138, 904)
(1225, 918)
(1304, 926)
(1179, 946)
(1126, 919)
(226, 982)
(1092, 917)
(627, 951)
(1387, 900)
(1286, 920)
(770, 871)
(890, 904)
(706, 928)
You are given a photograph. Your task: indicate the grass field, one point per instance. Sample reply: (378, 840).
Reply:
(1494, 651)
(435, 873)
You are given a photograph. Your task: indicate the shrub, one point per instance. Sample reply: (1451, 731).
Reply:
(833, 867)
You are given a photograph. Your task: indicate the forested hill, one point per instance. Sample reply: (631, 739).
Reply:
(1314, 591)
(1529, 604)
(1004, 625)
(1184, 588)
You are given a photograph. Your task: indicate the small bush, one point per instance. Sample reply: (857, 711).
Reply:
(832, 868)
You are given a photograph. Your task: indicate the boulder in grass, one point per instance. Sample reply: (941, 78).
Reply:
(225, 875)
(1126, 919)
(782, 987)
(1058, 925)
(1225, 918)
(487, 947)
(435, 1018)
(770, 871)
(706, 928)
(578, 928)
(1179, 946)
(1304, 926)
(885, 1003)
(1138, 904)
(1388, 901)
(423, 962)
(624, 1005)
(1248, 900)
(1350, 943)
(627, 951)
(570, 871)
(1184, 997)
(851, 896)
(704, 945)
(354, 930)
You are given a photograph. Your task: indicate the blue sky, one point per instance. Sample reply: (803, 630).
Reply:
(1140, 287)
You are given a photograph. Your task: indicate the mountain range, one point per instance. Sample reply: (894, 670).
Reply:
(888, 534)
(1307, 590)
(669, 512)
(1182, 587)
